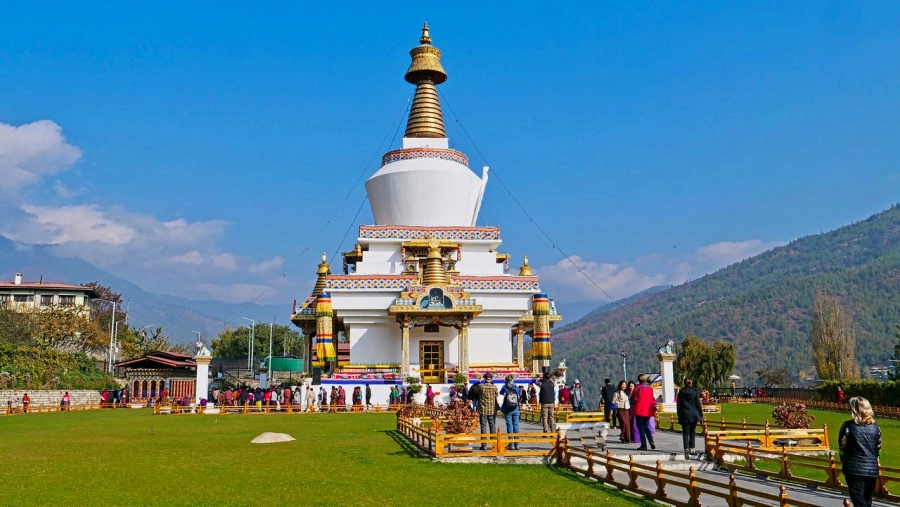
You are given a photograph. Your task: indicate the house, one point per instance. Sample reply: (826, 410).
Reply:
(22, 296)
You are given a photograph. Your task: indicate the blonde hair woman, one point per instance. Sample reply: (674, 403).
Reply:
(860, 445)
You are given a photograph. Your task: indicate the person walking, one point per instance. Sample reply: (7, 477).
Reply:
(623, 411)
(510, 409)
(860, 444)
(547, 399)
(577, 397)
(840, 396)
(607, 393)
(429, 396)
(643, 407)
(690, 412)
(486, 394)
(368, 396)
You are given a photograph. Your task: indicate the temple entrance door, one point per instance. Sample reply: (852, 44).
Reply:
(431, 361)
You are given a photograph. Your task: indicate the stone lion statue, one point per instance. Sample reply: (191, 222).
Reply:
(668, 348)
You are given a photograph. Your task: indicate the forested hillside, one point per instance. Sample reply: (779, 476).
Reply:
(762, 305)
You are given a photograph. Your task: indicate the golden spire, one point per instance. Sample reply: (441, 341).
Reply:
(323, 271)
(425, 116)
(525, 270)
(434, 265)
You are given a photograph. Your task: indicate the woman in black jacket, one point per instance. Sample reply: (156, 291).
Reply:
(690, 412)
(860, 444)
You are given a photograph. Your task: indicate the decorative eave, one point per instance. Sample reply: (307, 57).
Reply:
(412, 232)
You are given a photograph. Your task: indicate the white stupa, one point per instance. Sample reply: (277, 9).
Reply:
(425, 292)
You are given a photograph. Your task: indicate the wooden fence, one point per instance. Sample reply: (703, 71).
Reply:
(627, 473)
(881, 412)
(440, 444)
(44, 409)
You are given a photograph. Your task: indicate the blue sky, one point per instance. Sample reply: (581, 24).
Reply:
(199, 149)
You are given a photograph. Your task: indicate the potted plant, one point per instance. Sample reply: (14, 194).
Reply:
(414, 386)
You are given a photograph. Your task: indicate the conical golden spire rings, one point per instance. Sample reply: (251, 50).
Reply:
(425, 116)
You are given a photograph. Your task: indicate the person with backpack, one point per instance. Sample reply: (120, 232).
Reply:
(510, 409)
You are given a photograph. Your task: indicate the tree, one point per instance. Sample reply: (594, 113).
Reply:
(134, 343)
(774, 377)
(15, 327)
(896, 358)
(709, 365)
(286, 341)
(833, 340)
(64, 328)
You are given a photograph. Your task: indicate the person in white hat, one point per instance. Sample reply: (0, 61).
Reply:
(577, 397)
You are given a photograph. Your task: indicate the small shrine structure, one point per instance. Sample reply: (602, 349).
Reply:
(425, 292)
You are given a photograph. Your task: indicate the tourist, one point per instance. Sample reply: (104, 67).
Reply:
(623, 411)
(165, 395)
(577, 397)
(368, 396)
(547, 398)
(486, 393)
(643, 406)
(690, 412)
(25, 402)
(840, 396)
(860, 444)
(510, 409)
(533, 394)
(523, 399)
(66, 401)
(607, 392)
(452, 393)
(229, 397)
(357, 398)
(103, 398)
(12, 403)
(429, 396)
(564, 396)
(392, 397)
(403, 395)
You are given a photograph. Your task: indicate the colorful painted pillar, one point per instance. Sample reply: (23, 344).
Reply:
(404, 348)
(324, 334)
(520, 346)
(540, 343)
(464, 346)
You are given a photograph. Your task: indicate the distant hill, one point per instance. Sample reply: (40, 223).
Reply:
(178, 317)
(763, 305)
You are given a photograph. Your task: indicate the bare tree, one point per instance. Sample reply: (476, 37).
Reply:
(833, 340)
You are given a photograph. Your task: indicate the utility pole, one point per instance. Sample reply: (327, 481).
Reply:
(250, 346)
(271, 330)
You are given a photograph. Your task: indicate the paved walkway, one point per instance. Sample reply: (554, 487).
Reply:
(669, 450)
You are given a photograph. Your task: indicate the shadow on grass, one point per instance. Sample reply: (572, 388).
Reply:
(611, 490)
(406, 447)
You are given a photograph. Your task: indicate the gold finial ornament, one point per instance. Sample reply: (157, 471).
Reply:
(425, 116)
(434, 265)
(321, 273)
(525, 270)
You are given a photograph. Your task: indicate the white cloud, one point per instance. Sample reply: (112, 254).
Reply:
(568, 282)
(266, 266)
(31, 152)
(564, 281)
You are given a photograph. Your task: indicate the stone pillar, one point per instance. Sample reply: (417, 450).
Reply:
(667, 367)
(404, 348)
(201, 389)
(520, 346)
(464, 346)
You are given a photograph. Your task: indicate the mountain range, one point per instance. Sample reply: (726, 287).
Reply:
(179, 318)
(763, 305)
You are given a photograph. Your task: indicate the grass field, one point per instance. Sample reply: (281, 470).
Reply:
(758, 413)
(131, 457)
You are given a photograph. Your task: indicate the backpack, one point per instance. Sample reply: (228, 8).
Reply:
(512, 398)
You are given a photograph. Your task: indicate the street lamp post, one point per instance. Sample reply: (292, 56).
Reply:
(624, 365)
(112, 334)
(250, 345)
(271, 329)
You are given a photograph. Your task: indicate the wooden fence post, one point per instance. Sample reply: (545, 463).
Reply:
(693, 494)
(832, 472)
(732, 492)
(660, 482)
(785, 466)
(632, 473)
(590, 460)
(750, 460)
(609, 466)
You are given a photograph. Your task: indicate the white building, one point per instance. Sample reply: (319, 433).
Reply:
(21, 295)
(425, 292)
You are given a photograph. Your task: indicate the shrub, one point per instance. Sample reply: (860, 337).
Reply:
(792, 415)
(460, 418)
(878, 393)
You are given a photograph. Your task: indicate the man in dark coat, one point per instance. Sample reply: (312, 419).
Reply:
(607, 392)
(547, 399)
(690, 412)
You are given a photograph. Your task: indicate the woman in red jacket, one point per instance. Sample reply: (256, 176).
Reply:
(643, 407)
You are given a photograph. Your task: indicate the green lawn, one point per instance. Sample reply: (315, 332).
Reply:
(758, 413)
(131, 457)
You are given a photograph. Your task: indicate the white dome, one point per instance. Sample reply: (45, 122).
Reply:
(425, 187)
